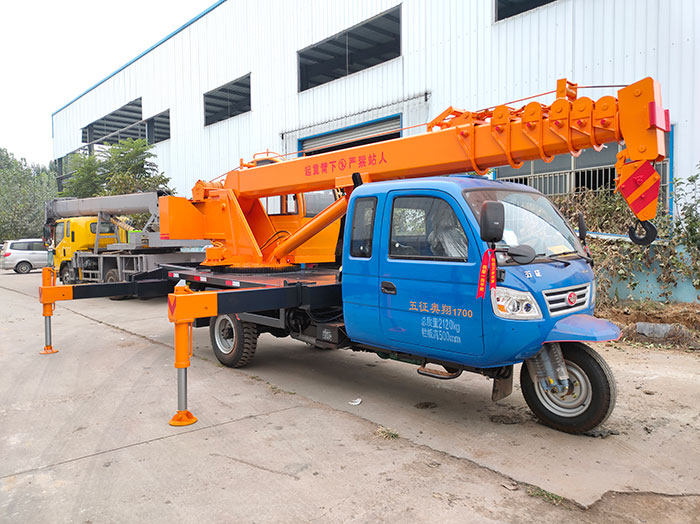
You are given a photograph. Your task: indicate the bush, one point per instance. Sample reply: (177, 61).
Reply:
(675, 256)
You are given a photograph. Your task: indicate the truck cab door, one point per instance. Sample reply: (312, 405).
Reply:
(360, 270)
(62, 244)
(428, 277)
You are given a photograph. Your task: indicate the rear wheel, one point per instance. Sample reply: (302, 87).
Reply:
(23, 268)
(111, 277)
(590, 399)
(233, 341)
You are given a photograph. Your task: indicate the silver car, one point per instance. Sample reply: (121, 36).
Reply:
(23, 255)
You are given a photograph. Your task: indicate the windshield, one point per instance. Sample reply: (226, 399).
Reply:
(530, 219)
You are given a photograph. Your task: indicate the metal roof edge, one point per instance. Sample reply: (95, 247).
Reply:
(179, 29)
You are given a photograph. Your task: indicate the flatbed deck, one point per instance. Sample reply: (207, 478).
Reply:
(237, 280)
(252, 292)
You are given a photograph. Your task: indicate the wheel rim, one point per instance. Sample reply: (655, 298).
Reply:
(575, 401)
(225, 334)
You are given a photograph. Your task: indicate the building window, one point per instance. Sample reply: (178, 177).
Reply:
(227, 101)
(125, 122)
(370, 43)
(508, 8)
(158, 127)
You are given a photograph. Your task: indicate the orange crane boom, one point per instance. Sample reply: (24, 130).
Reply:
(231, 215)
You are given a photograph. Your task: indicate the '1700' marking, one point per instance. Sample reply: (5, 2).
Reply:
(440, 309)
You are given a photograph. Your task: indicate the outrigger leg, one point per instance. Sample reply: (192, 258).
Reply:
(48, 278)
(183, 350)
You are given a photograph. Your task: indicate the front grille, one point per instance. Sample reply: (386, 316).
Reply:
(557, 299)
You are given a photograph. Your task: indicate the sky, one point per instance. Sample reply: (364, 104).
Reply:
(51, 51)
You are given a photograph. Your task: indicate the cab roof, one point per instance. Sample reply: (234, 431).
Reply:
(450, 184)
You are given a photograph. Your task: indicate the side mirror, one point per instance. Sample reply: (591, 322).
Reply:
(491, 221)
(46, 234)
(582, 227)
(522, 254)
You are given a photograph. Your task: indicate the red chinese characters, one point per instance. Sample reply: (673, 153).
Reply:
(345, 164)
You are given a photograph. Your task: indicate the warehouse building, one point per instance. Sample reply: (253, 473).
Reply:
(248, 76)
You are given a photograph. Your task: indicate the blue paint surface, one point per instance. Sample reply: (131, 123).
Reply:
(435, 312)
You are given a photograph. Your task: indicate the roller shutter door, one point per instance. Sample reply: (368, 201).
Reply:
(390, 126)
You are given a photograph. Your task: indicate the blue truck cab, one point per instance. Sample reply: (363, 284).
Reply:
(411, 266)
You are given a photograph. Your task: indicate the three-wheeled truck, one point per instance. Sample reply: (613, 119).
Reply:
(450, 273)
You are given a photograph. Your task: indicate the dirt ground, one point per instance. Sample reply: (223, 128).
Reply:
(85, 436)
(687, 315)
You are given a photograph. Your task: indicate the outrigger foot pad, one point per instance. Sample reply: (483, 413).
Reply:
(183, 418)
(48, 350)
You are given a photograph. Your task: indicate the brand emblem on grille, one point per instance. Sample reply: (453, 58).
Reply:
(571, 299)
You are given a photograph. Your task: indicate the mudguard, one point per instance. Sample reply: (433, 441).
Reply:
(580, 328)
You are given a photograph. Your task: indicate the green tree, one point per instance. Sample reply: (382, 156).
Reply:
(23, 191)
(122, 168)
(88, 177)
(130, 169)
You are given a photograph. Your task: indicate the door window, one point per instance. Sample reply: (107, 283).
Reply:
(105, 228)
(38, 246)
(60, 232)
(426, 228)
(362, 227)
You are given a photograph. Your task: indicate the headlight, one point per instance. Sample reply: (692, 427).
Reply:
(518, 305)
(592, 302)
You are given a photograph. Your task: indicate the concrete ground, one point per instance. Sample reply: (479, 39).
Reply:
(84, 434)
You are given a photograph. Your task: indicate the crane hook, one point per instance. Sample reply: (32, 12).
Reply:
(649, 233)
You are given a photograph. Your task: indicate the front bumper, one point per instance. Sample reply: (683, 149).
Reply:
(583, 328)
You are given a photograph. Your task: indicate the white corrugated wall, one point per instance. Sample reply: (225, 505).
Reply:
(451, 49)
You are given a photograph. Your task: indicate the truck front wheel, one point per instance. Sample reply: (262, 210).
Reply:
(233, 341)
(66, 274)
(590, 399)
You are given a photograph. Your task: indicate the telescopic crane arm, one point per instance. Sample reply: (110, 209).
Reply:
(231, 215)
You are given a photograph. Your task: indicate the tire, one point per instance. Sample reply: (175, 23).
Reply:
(23, 267)
(594, 387)
(66, 274)
(233, 341)
(111, 277)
